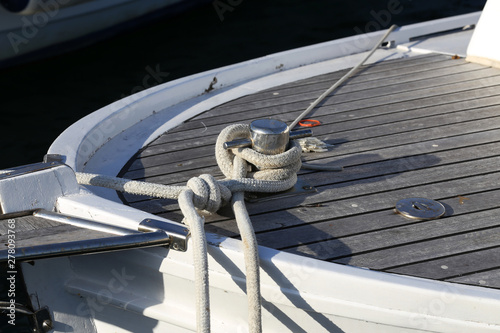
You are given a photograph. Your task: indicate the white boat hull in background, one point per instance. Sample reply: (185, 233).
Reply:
(48, 24)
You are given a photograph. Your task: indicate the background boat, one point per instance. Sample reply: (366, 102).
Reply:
(35, 29)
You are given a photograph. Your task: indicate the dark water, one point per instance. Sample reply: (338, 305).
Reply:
(39, 100)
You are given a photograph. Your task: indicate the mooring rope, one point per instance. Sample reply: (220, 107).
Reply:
(342, 79)
(274, 173)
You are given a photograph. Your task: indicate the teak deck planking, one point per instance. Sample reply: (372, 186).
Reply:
(427, 126)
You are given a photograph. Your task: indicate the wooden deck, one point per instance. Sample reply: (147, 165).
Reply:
(421, 127)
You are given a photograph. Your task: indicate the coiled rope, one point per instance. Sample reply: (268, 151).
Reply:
(273, 173)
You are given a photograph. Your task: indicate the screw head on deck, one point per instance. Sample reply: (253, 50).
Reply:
(420, 208)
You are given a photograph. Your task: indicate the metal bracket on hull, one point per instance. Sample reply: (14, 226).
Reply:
(40, 320)
(175, 235)
(99, 245)
(43, 322)
(150, 233)
(178, 234)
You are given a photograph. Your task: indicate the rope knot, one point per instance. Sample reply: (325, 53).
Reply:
(209, 195)
(278, 167)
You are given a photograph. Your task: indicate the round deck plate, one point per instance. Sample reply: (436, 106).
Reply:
(420, 208)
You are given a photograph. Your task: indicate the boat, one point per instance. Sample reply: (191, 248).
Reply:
(398, 233)
(34, 29)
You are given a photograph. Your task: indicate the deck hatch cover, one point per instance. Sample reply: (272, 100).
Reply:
(420, 208)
